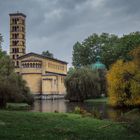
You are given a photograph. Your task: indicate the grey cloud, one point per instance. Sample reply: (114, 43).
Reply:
(57, 24)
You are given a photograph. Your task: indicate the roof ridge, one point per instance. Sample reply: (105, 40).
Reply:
(55, 59)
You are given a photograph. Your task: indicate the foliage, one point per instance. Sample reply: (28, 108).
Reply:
(133, 121)
(71, 70)
(84, 113)
(12, 87)
(1, 40)
(123, 81)
(59, 126)
(47, 53)
(109, 46)
(82, 84)
(102, 82)
(80, 55)
(17, 106)
(77, 110)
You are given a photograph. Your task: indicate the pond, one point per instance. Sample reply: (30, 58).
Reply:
(64, 106)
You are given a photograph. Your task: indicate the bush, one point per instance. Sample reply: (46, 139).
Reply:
(82, 84)
(124, 82)
(18, 106)
(12, 86)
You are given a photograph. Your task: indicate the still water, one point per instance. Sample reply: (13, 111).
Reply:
(64, 106)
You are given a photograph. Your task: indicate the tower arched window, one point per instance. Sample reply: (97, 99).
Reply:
(17, 63)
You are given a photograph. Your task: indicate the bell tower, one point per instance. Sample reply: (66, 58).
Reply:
(17, 36)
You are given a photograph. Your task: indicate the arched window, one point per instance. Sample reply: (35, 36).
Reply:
(36, 65)
(31, 65)
(23, 65)
(39, 65)
(28, 65)
(17, 63)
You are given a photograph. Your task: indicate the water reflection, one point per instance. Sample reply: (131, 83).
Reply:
(49, 106)
(65, 106)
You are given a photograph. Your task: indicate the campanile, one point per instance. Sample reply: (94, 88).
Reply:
(17, 36)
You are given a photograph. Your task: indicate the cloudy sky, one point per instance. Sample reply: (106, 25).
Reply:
(55, 25)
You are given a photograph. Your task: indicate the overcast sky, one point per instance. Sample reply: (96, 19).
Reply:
(55, 25)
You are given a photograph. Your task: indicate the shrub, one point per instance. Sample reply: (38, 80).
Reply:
(18, 106)
(12, 86)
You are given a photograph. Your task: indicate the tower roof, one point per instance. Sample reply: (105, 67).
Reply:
(17, 14)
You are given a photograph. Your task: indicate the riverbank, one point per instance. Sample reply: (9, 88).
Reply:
(59, 126)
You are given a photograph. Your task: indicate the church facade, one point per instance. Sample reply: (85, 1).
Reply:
(44, 75)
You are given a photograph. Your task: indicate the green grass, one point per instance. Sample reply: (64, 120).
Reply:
(17, 106)
(98, 100)
(16, 125)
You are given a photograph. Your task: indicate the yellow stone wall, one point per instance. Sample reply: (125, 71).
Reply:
(53, 85)
(48, 65)
(47, 79)
(33, 82)
(55, 67)
(48, 86)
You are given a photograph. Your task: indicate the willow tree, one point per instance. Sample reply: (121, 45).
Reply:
(82, 84)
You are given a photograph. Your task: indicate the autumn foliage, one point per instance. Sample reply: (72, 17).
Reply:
(124, 81)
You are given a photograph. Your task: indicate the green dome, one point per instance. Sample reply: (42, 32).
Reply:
(98, 64)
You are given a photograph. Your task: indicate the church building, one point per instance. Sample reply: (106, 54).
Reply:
(44, 75)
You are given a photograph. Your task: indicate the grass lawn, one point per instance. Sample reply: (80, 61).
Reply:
(16, 125)
(98, 100)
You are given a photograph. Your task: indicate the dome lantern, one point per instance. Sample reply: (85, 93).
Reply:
(98, 65)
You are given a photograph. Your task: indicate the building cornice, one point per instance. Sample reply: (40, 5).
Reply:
(17, 14)
(41, 56)
(48, 73)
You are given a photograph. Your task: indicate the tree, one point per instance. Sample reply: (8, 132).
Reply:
(82, 84)
(47, 53)
(80, 55)
(127, 44)
(109, 46)
(86, 52)
(1, 40)
(123, 81)
(71, 70)
(12, 87)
